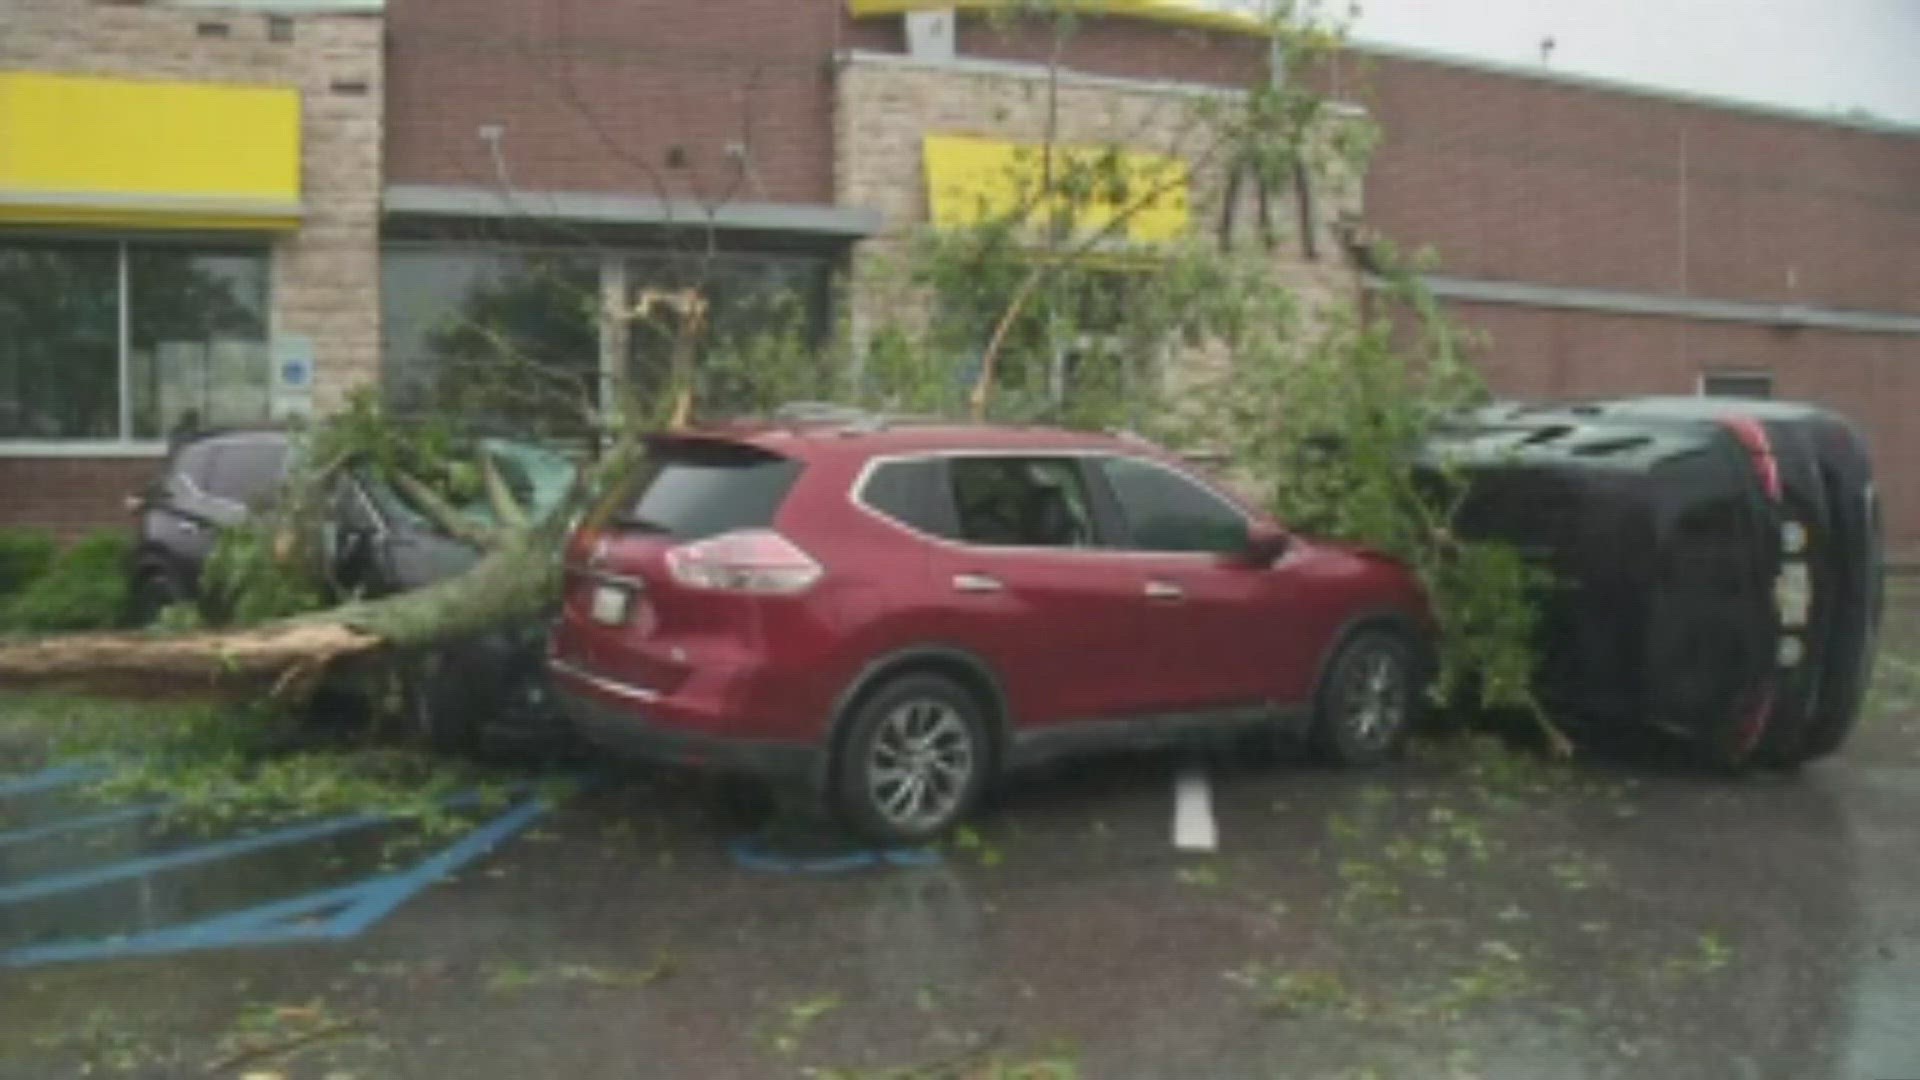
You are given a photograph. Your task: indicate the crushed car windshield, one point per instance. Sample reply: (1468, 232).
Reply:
(539, 479)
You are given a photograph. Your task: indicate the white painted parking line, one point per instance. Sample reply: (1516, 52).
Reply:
(1193, 828)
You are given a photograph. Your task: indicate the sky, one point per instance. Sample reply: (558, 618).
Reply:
(1822, 55)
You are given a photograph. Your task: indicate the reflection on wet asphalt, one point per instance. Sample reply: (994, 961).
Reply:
(1474, 912)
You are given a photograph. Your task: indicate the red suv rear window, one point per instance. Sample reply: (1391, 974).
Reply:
(693, 490)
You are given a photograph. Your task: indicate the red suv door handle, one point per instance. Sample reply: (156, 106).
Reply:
(976, 583)
(1163, 590)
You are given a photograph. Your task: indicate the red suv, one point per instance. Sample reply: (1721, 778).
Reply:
(897, 613)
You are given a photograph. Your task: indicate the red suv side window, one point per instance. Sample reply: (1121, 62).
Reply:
(1168, 512)
(1022, 501)
(912, 492)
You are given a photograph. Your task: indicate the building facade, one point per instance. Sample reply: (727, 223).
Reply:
(189, 213)
(457, 158)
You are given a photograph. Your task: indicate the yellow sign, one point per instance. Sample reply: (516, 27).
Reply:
(1139, 197)
(81, 150)
(1193, 13)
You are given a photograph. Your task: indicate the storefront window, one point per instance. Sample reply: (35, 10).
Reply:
(193, 352)
(59, 340)
(197, 340)
(511, 337)
(754, 304)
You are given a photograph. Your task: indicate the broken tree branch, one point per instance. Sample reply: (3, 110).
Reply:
(506, 508)
(442, 513)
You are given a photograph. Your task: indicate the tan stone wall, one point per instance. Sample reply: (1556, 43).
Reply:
(326, 276)
(887, 103)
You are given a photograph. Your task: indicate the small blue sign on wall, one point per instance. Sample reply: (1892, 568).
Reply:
(292, 376)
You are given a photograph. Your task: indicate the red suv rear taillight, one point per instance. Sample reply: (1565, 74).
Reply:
(750, 561)
(1753, 435)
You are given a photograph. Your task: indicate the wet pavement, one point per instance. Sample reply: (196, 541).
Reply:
(1476, 911)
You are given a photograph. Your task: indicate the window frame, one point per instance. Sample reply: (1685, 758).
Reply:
(1109, 520)
(126, 446)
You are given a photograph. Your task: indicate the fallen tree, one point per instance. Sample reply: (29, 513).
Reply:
(270, 573)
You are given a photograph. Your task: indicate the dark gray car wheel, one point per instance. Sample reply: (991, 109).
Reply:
(154, 590)
(1368, 698)
(913, 761)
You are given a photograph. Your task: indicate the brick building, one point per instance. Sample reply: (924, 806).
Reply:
(1608, 238)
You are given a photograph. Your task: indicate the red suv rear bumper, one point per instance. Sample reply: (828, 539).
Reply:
(640, 724)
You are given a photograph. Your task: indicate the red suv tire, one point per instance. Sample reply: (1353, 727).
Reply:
(912, 760)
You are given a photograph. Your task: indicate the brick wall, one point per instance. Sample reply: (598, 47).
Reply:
(634, 97)
(325, 275)
(1547, 181)
(645, 96)
(71, 496)
(1130, 48)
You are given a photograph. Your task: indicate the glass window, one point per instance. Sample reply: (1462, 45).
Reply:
(508, 336)
(750, 299)
(514, 335)
(1168, 512)
(696, 491)
(909, 492)
(197, 330)
(196, 352)
(1021, 502)
(59, 340)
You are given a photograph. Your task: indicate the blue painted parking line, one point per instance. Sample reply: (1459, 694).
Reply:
(382, 895)
(51, 779)
(334, 914)
(75, 880)
(82, 823)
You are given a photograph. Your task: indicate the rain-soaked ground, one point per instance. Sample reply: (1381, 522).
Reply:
(1474, 912)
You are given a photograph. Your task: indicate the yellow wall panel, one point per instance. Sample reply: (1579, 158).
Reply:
(147, 148)
(971, 179)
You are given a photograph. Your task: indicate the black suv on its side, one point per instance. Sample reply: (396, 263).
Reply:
(379, 545)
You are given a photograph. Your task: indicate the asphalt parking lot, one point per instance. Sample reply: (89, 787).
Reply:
(1476, 911)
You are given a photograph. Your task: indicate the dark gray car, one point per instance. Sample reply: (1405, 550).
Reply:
(379, 545)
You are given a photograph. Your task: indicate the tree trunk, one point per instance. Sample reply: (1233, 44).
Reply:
(515, 581)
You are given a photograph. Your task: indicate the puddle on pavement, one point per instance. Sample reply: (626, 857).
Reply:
(179, 894)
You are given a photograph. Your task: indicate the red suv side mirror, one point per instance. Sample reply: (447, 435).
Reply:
(1266, 542)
